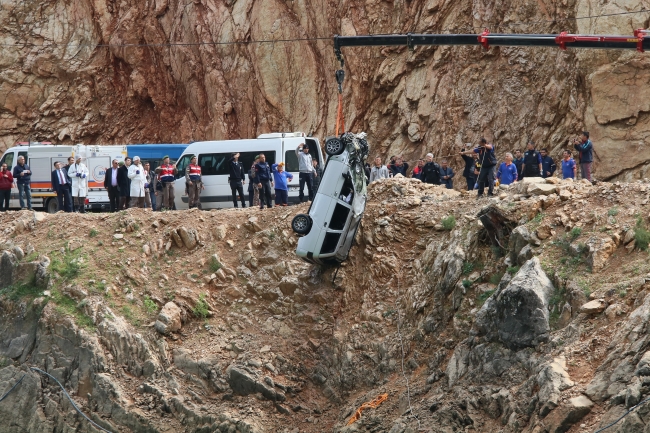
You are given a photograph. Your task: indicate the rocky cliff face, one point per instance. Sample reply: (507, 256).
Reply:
(101, 72)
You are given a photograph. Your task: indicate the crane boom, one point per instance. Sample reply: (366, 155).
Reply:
(564, 40)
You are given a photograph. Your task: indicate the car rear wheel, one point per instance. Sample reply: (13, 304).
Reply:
(301, 224)
(334, 146)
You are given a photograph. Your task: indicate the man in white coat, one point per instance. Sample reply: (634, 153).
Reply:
(78, 172)
(138, 179)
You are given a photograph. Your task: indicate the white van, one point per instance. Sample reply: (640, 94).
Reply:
(214, 157)
(41, 158)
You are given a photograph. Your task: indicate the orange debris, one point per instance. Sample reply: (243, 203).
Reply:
(368, 405)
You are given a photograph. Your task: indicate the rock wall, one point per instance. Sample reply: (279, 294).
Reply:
(102, 71)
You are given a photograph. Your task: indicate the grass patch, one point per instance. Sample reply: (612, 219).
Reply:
(215, 264)
(31, 257)
(613, 211)
(16, 292)
(448, 223)
(484, 297)
(496, 278)
(201, 308)
(68, 266)
(641, 235)
(467, 284)
(129, 315)
(150, 306)
(68, 307)
(513, 269)
(93, 233)
(575, 233)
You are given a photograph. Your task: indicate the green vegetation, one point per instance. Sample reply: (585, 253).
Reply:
(215, 265)
(613, 211)
(555, 305)
(201, 308)
(20, 291)
(536, 221)
(467, 284)
(31, 257)
(575, 233)
(448, 223)
(484, 297)
(496, 278)
(584, 286)
(67, 266)
(641, 235)
(150, 305)
(68, 307)
(512, 269)
(136, 227)
(468, 267)
(93, 233)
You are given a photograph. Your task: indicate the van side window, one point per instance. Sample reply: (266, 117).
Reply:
(8, 159)
(181, 165)
(291, 160)
(213, 164)
(24, 155)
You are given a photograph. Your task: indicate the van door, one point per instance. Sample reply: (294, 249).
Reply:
(9, 158)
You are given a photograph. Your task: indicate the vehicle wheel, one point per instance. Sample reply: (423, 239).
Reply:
(301, 224)
(52, 206)
(334, 146)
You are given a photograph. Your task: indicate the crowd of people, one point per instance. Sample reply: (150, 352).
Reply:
(133, 184)
(482, 169)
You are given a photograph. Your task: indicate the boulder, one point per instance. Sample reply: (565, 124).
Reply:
(596, 306)
(643, 366)
(552, 180)
(242, 381)
(220, 232)
(169, 319)
(8, 263)
(552, 379)
(288, 285)
(563, 418)
(600, 249)
(177, 239)
(544, 231)
(517, 315)
(565, 195)
(189, 237)
(525, 254)
(519, 238)
(541, 189)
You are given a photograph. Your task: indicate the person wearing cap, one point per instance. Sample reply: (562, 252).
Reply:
(167, 175)
(306, 169)
(281, 178)
(194, 183)
(78, 172)
(124, 183)
(138, 179)
(236, 179)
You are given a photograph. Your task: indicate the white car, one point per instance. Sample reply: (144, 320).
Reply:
(335, 214)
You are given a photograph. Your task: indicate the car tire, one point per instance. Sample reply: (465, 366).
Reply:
(334, 146)
(301, 224)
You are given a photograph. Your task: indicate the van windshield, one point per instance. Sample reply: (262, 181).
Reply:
(213, 164)
(8, 159)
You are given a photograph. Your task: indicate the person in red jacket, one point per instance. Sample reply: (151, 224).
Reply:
(6, 182)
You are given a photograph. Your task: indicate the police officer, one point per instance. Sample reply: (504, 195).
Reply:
(166, 174)
(237, 179)
(194, 183)
(532, 166)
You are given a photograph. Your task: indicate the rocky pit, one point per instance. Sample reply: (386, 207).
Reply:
(527, 313)
(104, 72)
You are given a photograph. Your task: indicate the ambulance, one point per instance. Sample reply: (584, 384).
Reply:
(41, 158)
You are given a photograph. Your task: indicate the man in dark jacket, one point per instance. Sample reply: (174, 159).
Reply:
(399, 167)
(430, 171)
(468, 171)
(548, 165)
(60, 186)
(518, 161)
(446, 175)
(124, 184)
(23, 177)
(237, 179)
(586, 149)
(532, 166)
(318, 173)
(112, 186)
(264, 181)
(488, 160)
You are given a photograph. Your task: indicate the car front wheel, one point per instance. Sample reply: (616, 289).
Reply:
(301, 224)
(334, 146)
